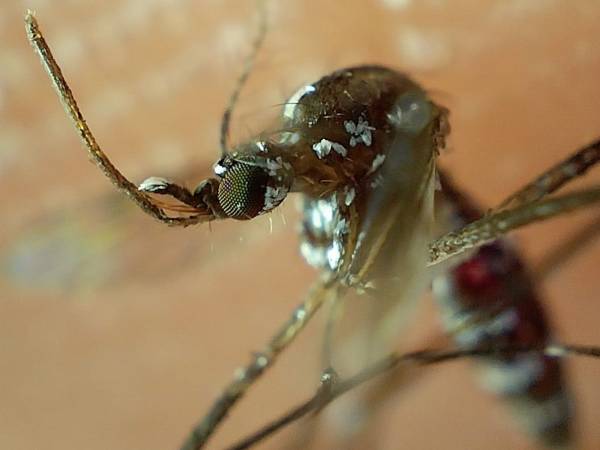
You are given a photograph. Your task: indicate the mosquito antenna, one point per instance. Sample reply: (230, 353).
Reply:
(248, 66)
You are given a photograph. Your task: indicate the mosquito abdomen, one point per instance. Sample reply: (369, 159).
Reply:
(489, 300)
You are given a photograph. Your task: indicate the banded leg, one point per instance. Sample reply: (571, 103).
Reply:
(497, 224)
(201, 213)
(556, 177)
(324, 290)
(393, 362)
(524, 206)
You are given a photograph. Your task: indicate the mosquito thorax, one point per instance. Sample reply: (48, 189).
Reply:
(344, 125)
(349, 134)
(251, 184)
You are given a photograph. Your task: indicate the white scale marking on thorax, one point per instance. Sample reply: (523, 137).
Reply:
(359, 132)
(324, 147)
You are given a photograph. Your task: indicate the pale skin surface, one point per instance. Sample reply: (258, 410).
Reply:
(125, 365)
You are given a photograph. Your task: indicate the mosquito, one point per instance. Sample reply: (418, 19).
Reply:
(381, 219)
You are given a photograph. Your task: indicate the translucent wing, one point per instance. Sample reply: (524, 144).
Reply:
(395, 229)
(380, 230)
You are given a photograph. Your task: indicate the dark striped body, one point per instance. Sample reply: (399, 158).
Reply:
(490, 300)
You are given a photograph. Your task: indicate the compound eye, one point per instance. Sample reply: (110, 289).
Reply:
(242, 191)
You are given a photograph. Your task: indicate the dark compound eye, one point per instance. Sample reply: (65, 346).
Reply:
(242, 191)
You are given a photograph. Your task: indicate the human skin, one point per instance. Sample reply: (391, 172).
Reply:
(127, 340)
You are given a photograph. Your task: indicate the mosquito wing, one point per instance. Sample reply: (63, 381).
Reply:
(385, 225)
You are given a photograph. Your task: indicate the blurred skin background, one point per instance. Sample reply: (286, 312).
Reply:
(117, 332)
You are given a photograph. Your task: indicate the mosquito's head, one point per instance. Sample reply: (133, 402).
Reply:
(251, 185)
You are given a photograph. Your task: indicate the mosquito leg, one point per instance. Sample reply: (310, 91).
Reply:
(392, 362)
(386, 388)
(557, 176)
(66, 97)
(336, 310)
(496, 224)
(248, 65)
(523, 206)
(246, 376)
